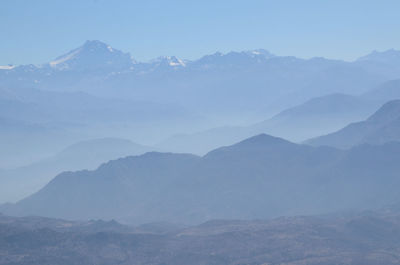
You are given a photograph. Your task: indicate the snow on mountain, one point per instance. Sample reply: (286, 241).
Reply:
(93, 55)
(261, 53)
(169, 61)
(6, 67)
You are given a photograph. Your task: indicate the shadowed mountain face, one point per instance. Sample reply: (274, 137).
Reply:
(383, 126)
(260, 177)
(363, 238)
(115, 186)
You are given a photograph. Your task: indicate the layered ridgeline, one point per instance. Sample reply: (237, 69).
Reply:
(381, 127)
(315, 117)
(35, 124)
(97, 91)
(260, 177)
(20, 182)
(359, 238)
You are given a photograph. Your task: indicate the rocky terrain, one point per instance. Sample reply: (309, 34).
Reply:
(347, 238)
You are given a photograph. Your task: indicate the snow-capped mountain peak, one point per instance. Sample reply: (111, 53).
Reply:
(169, 61)
(260, 52)
(6, 67)
(92, 54)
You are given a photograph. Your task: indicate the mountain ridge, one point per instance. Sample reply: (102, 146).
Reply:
(203, 83)
(260, 177)
(17, 183)
(382, 126)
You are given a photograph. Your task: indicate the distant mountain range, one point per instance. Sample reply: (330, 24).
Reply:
(315, 117)
(381, 127)
(391, 56)
(260, 177)
(35, 123)
(252, 81)
(97, 91)
(39, 106)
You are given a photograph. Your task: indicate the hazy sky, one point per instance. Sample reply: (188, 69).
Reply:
(36, 31)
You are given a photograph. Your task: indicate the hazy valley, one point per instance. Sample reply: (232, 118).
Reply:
(241, 157)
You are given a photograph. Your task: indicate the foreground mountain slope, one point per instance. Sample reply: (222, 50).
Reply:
(113, 189)
(383, 126)
(351, 239)
(18, 183)
(260, 177)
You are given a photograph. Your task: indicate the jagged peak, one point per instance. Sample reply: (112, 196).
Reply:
(169, 60)
(381, 55)
(260, 52)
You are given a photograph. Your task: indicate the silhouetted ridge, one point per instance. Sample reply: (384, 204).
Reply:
(152, 160)
(390, 56)
(261, 142)
(388, 112)
(381, 127)
(260, 177)
(263, 139)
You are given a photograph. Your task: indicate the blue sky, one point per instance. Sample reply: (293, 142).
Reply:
(40, 30)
